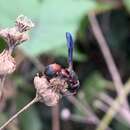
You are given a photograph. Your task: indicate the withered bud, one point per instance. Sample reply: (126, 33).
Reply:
(45, 92)
(13, 37)
(23, 23)
(7, 63)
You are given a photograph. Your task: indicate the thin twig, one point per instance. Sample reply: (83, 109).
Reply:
(124, 113)
(55, 118)
(106, 52)
(111, 66)
(107, 56)
(19, 112)
(114, 109)
(85, 109)
(104, 107)
(3, 78)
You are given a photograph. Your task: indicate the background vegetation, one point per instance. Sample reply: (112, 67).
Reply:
(47, 45)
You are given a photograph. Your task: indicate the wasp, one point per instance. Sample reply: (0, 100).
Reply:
(56, 70)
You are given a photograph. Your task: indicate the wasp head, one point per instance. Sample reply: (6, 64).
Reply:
(52, 70)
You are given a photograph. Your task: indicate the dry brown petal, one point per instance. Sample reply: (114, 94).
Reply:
(23, 23)
(13, 37)
(7, 63)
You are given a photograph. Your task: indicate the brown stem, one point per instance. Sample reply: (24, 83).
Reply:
(87, 111)
(107, 56)
(116, 104)
(2, 86)
(55, 118)
(19, 112)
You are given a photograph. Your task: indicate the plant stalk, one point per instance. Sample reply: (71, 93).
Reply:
(36, 99)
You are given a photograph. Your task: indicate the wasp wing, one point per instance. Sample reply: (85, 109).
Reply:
(70, 46)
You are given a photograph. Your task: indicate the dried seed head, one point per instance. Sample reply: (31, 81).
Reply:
(50, 98)
(41, 84)
(45, 92)
(7, 63)
(13, 37)
(23, 23)
(58, 84)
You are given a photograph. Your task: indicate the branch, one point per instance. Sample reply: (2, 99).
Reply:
(19, 112)
(106, 52)
(55, 118)
(3, 77)
(114, 108)
(87, 111)
(107, 56)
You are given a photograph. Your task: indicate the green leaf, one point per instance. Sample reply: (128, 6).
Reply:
(2, 44)
(9, 10)
(29, 120)
(127, 4)
(57, 17)
(52, 18)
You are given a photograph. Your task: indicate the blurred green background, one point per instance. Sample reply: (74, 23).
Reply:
(53, 18)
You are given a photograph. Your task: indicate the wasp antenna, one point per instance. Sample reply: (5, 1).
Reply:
(70, 45)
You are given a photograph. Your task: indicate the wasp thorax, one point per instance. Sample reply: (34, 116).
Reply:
(23, 23)
(7, 63)
(45, 91)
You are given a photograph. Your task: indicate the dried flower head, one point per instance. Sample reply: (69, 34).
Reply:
(58, 85)
(50, 98)
(44, 91)
(23, 23)
(7, 63)
(13, 37)
(50, 91)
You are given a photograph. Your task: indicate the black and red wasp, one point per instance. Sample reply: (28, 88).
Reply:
(54, 70)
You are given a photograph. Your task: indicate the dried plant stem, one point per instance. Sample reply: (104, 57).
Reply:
(114, 109)
(121, 99)
(3, 77)
(87, 110)
(55, 118)
(107, 56)
(106, 52)
(19, 112)
(2, 81)
(123, 112)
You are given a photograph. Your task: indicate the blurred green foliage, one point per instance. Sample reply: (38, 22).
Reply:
(93, 85)
(127, 4)
(52, 19)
